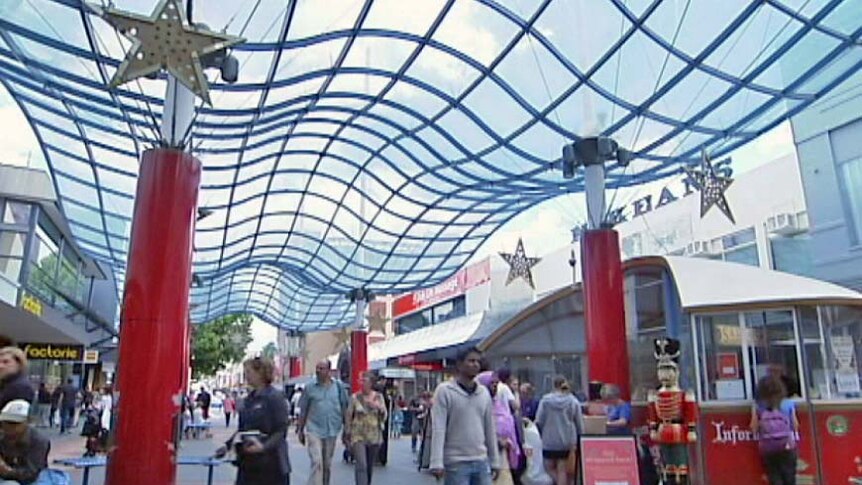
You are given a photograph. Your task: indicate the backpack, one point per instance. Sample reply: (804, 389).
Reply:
(776, 432)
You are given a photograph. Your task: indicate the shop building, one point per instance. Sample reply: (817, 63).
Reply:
(57, 303)
(828, 139)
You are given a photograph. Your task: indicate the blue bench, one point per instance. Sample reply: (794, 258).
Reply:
(87, 464)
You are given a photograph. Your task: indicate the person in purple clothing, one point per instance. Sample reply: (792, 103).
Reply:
(619, 412)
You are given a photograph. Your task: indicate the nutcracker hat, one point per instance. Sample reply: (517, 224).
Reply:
(15, 411)
(667, 351)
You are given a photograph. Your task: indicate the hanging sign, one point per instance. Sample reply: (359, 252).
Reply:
(91, 356)
(609, 460)
(31, 304)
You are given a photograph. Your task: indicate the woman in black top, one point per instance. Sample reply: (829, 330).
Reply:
(260, 443)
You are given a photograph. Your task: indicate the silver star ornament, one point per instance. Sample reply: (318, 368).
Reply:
(711, 186)
(165, 41)
(520, 265)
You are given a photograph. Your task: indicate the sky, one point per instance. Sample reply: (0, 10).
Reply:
(481, 34)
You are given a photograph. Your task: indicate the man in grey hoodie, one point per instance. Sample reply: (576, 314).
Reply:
(463, 436)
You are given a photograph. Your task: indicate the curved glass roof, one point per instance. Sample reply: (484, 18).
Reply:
(378, 143)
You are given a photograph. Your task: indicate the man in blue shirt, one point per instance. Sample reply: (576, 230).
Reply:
(619, 412)
(323, 408)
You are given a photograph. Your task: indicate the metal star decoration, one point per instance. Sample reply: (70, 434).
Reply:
(520, 265)
(711, 186)
(165, 41)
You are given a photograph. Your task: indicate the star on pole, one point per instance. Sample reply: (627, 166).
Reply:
(165, 41)
(711, 186)
(520, 265)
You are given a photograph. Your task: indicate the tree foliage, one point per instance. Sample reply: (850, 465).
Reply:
(218, 343)
(269, 351)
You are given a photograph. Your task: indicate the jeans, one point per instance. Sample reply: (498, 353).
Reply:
(781, 467)
(67, 417)
(44, 412)
(227, 419)
(320, 451)
(365, 455)
(468, 473)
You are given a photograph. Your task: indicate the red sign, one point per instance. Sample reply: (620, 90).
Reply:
(435, 366)
(458, 284)
(728, 365)
(406, 359)
(609, 459)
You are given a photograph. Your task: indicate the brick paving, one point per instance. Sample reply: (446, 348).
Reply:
(400, 469)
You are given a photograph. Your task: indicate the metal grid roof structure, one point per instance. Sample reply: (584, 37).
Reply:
(378, 143)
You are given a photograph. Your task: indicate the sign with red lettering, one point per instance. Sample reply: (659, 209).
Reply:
(609, 460)
(728, 365)
(458, 284)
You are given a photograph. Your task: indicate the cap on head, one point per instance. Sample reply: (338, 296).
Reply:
(15, 411)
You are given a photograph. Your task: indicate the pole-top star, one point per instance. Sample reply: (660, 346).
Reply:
(164, 40)
(520, 265)
(711, 186)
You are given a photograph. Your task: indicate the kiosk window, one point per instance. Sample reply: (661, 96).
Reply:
(843, 332)
(772, 348)
(722, 358)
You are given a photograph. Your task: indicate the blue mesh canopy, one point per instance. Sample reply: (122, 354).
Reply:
(378, 143)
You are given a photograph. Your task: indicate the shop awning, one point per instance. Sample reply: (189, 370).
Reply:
(453, 332)
(705, 284)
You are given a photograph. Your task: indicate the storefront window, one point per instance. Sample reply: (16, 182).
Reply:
(792, 254)
(540, 370)
(723, 358)
(414, 322)
(814, 348)
(454, 308)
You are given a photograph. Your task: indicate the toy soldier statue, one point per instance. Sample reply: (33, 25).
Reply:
(672, 414)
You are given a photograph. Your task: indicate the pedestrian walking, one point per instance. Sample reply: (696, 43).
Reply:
(23, 450)
(260, 443)
(204, 400)
(774, 420)
(323, 406)
(560, 422)
(13, 377)
(68, 400)
(56, 395)
(363, 432)
(463, 436)
(43, 405)
(418, 412)
(508, 441)
(229, 406)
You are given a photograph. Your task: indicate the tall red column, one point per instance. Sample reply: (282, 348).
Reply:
(358, 358)
(607, 346)
(154, 327)
(295, 367)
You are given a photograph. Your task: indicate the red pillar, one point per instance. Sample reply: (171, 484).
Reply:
(358, 357)
(154, 327)
(295, 367)
(607, 346)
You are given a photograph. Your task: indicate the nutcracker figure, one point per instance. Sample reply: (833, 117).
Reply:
(672, 414)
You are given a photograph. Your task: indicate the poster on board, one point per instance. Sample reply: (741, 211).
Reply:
(609, 460)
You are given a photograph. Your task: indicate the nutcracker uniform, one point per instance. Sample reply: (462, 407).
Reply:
(672, 414)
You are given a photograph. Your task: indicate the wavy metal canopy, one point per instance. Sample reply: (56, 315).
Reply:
(378, 143)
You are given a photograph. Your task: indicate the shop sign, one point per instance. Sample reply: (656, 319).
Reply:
(458, 284)
(406, 359)
(91, 356)
(31, 304)
(428, 366)
(42, 351)
(609, 460)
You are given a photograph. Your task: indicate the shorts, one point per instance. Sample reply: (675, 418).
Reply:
(556, 454)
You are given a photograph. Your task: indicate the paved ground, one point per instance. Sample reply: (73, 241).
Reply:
(400, 470)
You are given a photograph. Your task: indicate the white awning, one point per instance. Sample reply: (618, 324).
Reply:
(449, 333)
(704, 283)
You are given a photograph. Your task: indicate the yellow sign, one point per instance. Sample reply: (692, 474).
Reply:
(38, 351)
(91, 356)
(31, 304)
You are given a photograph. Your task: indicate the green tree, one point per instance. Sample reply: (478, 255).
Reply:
(218, 343)
(269, 351)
